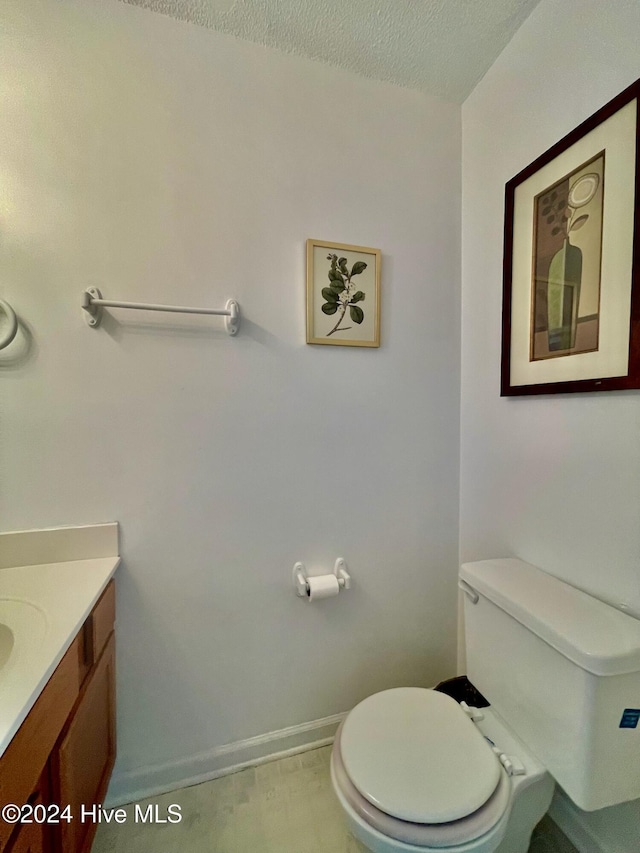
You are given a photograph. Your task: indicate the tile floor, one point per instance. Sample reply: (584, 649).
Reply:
(286, 806)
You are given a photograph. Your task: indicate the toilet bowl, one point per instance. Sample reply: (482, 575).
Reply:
(413, 772)
(562, 669)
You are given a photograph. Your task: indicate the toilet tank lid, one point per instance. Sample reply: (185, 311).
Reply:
(592, 634)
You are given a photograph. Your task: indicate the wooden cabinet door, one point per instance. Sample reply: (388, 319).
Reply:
(30, 839)
(25, 757)
(33, 837)
(84, 757)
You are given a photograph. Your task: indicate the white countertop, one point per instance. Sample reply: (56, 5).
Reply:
(52, 601)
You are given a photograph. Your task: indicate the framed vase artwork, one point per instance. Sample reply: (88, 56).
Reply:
(571, 297)
(343, 294)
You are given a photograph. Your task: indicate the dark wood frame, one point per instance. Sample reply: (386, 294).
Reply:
(632, 378)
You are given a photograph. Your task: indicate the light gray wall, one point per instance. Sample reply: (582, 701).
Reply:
(163, 162)
(554, 480)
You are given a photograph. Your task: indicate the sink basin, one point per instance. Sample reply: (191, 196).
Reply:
(22, 629)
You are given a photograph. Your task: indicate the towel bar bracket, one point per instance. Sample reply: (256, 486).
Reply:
(93, 316)
(232, 322)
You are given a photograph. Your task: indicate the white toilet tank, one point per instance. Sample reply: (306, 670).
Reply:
(563, 670)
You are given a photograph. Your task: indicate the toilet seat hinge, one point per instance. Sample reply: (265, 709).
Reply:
(511, 763)
(474, 713)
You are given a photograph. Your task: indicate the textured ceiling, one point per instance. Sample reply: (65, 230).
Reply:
(442, 47)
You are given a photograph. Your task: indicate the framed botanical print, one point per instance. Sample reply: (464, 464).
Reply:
(343, 294)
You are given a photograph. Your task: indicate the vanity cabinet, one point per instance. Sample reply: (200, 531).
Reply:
(64, 751)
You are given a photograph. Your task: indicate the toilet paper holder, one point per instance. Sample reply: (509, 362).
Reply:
(301, 579)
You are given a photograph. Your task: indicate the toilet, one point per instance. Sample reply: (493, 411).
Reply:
(416, 771)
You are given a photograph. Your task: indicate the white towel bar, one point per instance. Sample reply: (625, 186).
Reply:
(93, 303)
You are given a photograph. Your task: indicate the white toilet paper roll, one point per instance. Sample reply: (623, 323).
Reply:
(323, 586)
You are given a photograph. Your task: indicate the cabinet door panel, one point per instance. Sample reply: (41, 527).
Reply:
(33, 837)
(23, 761)
(86, 752)
(30, 839)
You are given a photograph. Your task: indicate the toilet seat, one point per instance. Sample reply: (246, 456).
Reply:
(371, 740)
(415, 755)
(439, 835)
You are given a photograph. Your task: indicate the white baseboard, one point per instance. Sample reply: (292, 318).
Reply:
(229, 758)
(611, 830)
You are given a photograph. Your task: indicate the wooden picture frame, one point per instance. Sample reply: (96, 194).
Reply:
(343, 294)
(571, 289)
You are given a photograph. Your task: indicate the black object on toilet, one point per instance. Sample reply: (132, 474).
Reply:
(462, 690)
